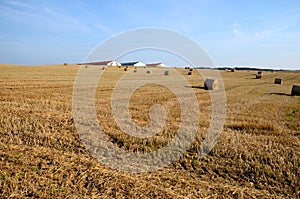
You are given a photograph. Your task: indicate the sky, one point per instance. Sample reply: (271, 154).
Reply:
(263, 33)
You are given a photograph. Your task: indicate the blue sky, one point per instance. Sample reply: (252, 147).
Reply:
(245, 33)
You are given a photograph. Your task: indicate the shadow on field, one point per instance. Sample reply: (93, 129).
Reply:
(280, 94)
(199, 87)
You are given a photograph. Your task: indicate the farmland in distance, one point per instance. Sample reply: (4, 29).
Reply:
(41, 154)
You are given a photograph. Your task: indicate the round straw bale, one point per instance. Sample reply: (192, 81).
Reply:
(166, 73)
(191, 69)
(295, 90)
(135, 70)
(277, 81)
(211, 84)
(148, 72)
(232, 70)
(125, 69)
(259, 72)
(190, 72)
(258, 76)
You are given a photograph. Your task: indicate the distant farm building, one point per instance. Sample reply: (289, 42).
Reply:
(113, 63)
(137, 63)
(104, 63)
(156, 65)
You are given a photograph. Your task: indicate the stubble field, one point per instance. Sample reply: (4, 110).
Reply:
(42, 156)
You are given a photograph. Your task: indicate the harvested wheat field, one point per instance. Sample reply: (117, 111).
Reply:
(41, 155)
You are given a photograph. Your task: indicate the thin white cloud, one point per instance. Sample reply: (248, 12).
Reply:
(17, 3)
(236, 30)
(103, 28)
(257, 35)
(5, 38)
(17, 11)
(60, 15)
(267, 32)
(66, 20)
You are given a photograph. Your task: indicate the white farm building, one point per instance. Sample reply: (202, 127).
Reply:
(136, 63)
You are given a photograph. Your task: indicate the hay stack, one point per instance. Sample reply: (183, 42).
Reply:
(211, 84)
(295, 90)
(258, 76)
(190, 72)
(277, 81)
(166, 73)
